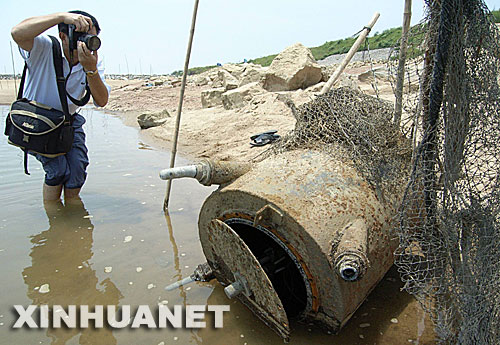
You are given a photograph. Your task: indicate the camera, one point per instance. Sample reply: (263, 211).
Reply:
(91, 41)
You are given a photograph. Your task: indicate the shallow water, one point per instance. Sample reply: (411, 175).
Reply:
(120, 224)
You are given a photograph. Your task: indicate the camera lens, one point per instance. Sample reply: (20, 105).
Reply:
(91, 41)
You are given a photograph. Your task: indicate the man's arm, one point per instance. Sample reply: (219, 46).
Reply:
(88, 60)
(25, 32)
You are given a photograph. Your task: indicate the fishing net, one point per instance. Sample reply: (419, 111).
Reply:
(449, 252)
(358, 129)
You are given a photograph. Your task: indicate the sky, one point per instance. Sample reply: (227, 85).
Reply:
(151, 36)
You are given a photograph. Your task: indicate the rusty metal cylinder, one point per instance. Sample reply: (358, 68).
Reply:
(313, 225)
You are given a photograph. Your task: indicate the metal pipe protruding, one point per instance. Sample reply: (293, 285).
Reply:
(208, 172)
(180, 283)
(234, 289)
(349, 254)
(178, 172)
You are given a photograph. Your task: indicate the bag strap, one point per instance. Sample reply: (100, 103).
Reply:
(26, 161)
(21, 86)
(61, 84)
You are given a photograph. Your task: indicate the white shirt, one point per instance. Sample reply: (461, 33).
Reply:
(41, 85)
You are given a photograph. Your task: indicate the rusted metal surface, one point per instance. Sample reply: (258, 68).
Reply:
(233, 258)
(309, 201)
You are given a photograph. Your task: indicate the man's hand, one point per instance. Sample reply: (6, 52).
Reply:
(81, 22)
(87, 58)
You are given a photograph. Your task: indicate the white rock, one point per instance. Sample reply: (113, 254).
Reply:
(241, 96)
(212, 98)
(44, 288)
(394, 320)
(148, 120)
(138, 269)
(151, 286)
(229, 82)
(253, 73)
(108, 269)
(127, 239)
(294, 68)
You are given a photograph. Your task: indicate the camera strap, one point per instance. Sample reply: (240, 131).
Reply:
(85, 99)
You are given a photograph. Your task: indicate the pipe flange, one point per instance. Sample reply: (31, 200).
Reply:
(204, 172)
(351, 266)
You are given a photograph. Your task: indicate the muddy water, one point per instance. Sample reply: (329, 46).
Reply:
(117, 247)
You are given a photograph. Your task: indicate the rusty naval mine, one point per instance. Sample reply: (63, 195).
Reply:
(298, 236)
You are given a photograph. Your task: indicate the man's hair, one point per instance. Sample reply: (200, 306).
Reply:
(64, 27)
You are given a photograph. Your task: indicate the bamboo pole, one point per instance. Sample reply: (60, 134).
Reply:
(13, 68)
(179, 108)
(398, 108)
(350, 54)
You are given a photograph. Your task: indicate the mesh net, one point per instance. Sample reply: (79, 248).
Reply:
(449, 253)
(357, 128)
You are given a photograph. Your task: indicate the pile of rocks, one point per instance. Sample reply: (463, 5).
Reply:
(293, 72)
(294, 75)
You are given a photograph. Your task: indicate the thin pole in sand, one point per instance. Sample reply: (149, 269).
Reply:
(13, 68)
(398, 108)
(179, 108)
(366, 30)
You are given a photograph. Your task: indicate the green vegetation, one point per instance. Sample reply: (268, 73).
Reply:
(388, 38)
(194, 70)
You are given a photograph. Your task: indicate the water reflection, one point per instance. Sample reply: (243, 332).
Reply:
(178, 272)
(60, 258)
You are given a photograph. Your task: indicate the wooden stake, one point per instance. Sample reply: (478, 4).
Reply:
(179, 108)
(350, 54)
(398, 108)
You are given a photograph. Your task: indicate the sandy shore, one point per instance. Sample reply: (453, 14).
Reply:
(205, 132)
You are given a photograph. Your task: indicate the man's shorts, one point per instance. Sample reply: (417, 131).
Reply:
(69, 169)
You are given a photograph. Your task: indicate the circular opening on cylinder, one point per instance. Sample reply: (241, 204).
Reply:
(349, 274)
(279, 264)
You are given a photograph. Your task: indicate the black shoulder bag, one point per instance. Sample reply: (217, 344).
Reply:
(38, 128)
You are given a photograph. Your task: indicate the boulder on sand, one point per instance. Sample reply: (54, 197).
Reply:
(212, 98)
(148, 120)
(239, 97)
(294, 68)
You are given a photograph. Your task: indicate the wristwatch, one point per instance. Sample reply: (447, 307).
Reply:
(91, 73)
